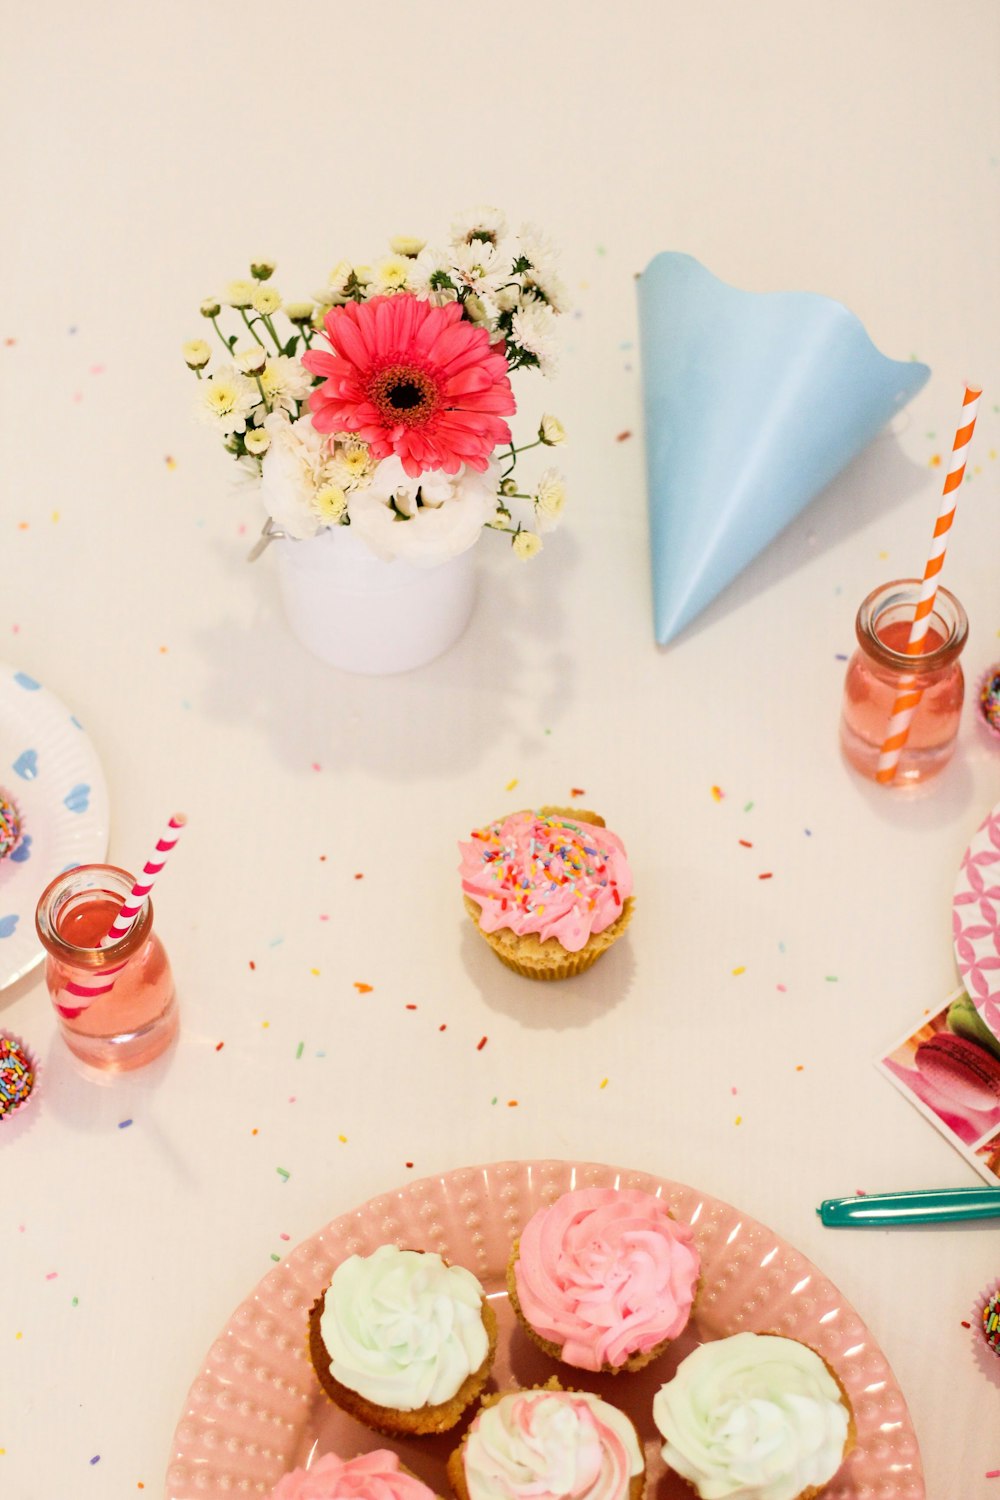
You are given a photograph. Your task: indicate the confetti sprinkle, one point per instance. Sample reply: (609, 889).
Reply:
(604, 1083)
(96, 1459)
(17, 1074)
(275, 1257)
(481, 1043)
(299, 1050)
(511, 1103)
(282, 1173)
(284, 1236)
(718, 793)
(577, 791)
(219, 1046)
(358, 876)
(170, 461)
(51, 1275)
(799, 1067)
(623, 437)
(934, 460)
(740, 969)
(316, 766)
(362, 988)
(124, 1124)
(252, 964)
(407, 1164)
(443, 1026)
(748, 807)
(411, 1006)
(745, 844)
(840, 656)
(511, 785)
(831, 978)
(315, 973)
(738, 1120)
(781, 989)
(767, 875)
(342, 1139)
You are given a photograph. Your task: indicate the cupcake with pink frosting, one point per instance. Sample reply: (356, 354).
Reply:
(548, 1444)
(604, 1278)
(550, 891)
(370, 1476)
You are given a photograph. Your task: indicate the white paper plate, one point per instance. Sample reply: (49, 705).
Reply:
(51, 770)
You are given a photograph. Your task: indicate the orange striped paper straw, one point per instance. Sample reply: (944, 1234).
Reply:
(104, 982)
(908, 698)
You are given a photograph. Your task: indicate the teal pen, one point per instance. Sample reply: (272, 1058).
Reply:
(888, 1210)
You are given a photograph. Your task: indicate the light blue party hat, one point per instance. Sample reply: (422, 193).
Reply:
(754, 401)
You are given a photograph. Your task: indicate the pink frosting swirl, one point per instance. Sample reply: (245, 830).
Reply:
(370, 1476)
(550, 1445)
(553, 876)
(606, 1273)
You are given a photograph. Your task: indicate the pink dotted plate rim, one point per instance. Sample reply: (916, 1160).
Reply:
(255, 1407)
(975, 911)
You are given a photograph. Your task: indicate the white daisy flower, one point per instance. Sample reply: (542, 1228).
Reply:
(266, 300)
(405, 244)
(549, 499)
(480, 266)
(482, 223)
(257, 441)
(251, 361)
(196, 354)
(431, 276)
(330, 504)
(239, 293)
(293, 472)
(226, 399)
(532, 328)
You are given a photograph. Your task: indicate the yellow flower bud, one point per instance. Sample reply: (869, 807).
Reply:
(239, 293)
(551, 431)
(196, 354)
(210, 308)
(404, 244)
(298, 312)
(262, 270)
(257, 441)
(251, 361)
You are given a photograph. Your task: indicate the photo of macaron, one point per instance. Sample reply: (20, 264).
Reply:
(961, 1070)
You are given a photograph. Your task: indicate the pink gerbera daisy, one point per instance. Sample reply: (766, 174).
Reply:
(412, 379)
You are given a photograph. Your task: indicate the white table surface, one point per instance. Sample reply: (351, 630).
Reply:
(148, 153)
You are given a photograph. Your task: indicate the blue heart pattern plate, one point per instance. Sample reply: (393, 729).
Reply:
(50, 769)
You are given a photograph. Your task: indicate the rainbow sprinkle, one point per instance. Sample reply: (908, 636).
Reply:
(991, 1322)
(17, 1074)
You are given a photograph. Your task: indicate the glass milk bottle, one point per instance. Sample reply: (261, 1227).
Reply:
(116, 1006)
(880, 668)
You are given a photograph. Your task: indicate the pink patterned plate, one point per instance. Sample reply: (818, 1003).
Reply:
(256, 1409)
(975, 911)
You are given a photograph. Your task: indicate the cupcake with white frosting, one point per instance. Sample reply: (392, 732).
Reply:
(548, 1442)
(604, 1278)
(754, 1417)
(402, 1340)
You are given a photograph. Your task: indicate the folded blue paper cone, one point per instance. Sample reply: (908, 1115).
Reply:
(754, 402)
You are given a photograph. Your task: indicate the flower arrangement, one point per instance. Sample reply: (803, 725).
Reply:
(382, 403)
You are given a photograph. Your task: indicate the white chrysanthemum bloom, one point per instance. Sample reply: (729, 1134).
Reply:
(226, 399)
(257, 441)
(526, 545)
(285, 383)
(531, 327)
(251, 361)
(480, 266)
(551, 430)
(239, 293)
(354, 458)
(549, 286)
(483, 223)
(481, 310)
(294, 470)
(266, 300)
(330, 504)
(405, 244)
(391, 275)
(436, 515)
(196, 354)
(549, 499)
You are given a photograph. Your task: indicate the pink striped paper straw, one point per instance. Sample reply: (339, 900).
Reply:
(102, 984)
(908, 698)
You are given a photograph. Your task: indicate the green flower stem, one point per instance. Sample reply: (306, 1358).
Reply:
(267, 404)
(536, 444)
(269, 325)
(253, 331)
(222, 338)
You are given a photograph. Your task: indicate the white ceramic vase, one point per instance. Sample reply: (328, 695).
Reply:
(364, 615)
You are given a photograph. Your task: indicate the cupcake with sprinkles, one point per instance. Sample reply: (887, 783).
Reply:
(550, 891)
(991, 1321)
(11, 825)
(548, 1444)
(18, 1075)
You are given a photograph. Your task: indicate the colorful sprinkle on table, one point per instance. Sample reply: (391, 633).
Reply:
(362, 988)
(282, 1173)
(511, 785)
(124, 1124)
(18, 1074)
(481, 1043)
(717, 793)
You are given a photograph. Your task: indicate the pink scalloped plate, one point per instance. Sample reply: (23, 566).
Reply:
(256, 1409)
(975, 911)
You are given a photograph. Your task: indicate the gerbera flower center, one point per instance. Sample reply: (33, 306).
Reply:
(404, 393)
